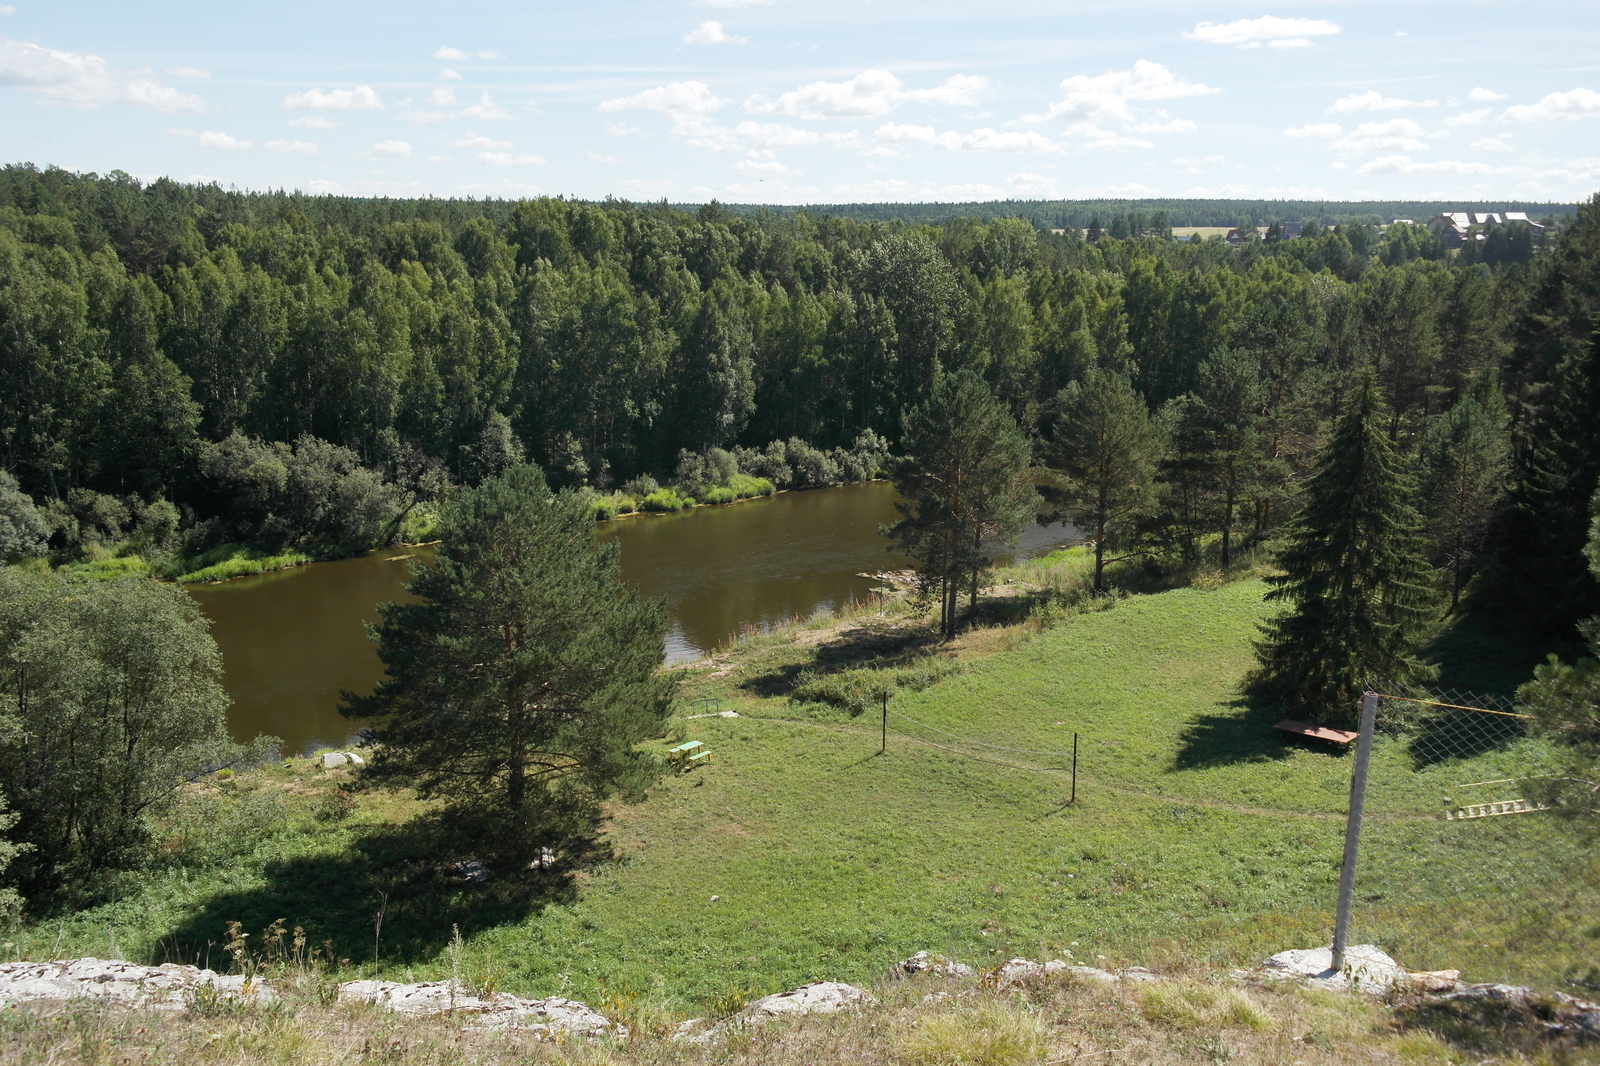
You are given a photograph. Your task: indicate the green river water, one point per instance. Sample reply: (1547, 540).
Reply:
(292, 640)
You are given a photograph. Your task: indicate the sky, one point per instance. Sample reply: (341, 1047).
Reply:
(814, 101)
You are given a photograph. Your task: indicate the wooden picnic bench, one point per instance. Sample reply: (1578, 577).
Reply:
(688, 755)
(1316, 732)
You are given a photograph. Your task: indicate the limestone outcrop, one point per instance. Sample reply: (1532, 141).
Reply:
(167, 987)
(553, 1016)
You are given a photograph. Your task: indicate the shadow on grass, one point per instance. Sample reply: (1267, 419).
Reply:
(1453, 734)
(1475, 656)
(402, 871)
(876, 645)
(1243, 736)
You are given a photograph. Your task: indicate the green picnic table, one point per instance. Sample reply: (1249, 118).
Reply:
(689, 754)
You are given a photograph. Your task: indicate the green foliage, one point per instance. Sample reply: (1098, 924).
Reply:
(1358, 592)
(744, 487)
(964, 481)
(1105, 447)
(232, 560)
(22, 531)
(719, 494)
(860, 690)
(109, 695)
(1565, 698)
(665, 500)
(1465, 469)
(520, 685)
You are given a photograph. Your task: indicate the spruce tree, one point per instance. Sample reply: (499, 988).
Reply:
(521, 682)
(1464, 466)
(1543, 575)
(1358, 592)
(1565, 701)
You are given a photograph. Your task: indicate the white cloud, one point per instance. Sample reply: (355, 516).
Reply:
(733, 3)
(361, 98)
(323, 185)
(1267, 30)
(441, 158)
(473, 141)
(449, 75)
(1373, 100)
(609, 160)
(7, 10)
(188, 72)
(452, 55)
(1400, 164)
(1111, 95)
(983, 140)
(485, 109)
(772, 169)
(220, 141)
(292, 147)
(1575, 103)
(1174, 125)
(506, 159)
(711, 32)
(1484, 96)
(685, 102)
(1467, 118)
(1027, 184)
(314, 122)
(1491, 144)
(894, 189)
(388, 150)
(73, 79)
(622, 129)
(1399, 134)
(1315, 129)
(868, 95)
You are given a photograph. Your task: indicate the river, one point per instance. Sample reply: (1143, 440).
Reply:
(292, 640)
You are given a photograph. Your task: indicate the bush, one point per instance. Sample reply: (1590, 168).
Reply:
(857, 690)
(603, 508)
(665, 500)
(643, 485)
(719, 494)
(810, 468)
(23, 531)
(626, 504)
(743, 486)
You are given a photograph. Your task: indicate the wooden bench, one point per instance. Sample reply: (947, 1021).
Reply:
(1316, 732)
(682, 753)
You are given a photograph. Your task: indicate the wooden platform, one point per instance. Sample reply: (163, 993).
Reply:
(1316, 732)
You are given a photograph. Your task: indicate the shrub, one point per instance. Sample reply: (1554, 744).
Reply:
(857, 690)
(666, 500)
(626, 505)
(720, 495)
(643, 485)
(23, 531)
(743, 486)
(603, 508)
(810, 468)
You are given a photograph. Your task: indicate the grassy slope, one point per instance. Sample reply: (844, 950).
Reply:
(1198, 836)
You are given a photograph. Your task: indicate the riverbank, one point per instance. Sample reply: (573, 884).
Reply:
(1198, 837)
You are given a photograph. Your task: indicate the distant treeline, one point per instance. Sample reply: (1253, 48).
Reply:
(1079, 214)
(228, 353)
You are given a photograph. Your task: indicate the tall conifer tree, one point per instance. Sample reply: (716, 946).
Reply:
(1359, 593)
(521, 683)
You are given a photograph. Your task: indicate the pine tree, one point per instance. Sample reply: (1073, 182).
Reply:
(520, 684)
(964, 480)
(1359, 594)
(1106, 448)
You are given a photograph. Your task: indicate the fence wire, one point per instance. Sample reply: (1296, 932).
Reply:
(1462, 866)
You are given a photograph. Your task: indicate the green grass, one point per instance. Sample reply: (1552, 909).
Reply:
(801, 854)
(234, 560)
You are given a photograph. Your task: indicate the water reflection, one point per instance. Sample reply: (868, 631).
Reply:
(292, 640)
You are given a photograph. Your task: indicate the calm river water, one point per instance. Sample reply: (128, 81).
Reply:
(292, 640)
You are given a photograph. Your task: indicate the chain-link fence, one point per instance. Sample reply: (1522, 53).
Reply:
(1461, 866)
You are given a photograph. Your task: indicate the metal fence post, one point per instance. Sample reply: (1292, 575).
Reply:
(1352, 826)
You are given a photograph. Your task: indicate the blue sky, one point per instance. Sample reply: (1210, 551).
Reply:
(803, 101)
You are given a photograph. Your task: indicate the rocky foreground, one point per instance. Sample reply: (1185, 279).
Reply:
(181, 988)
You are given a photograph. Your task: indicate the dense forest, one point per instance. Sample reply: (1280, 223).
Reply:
(186, 364)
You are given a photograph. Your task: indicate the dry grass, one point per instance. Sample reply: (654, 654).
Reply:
(921, 1022)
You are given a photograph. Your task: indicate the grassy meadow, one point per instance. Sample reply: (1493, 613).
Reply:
(1199, 839)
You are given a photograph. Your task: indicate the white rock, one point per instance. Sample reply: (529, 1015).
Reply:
(1366, 968)
(355, 760)
(938, 965)
(552, 1016)
(332, 759)
(819, 997)
(167, 987)
(1133, 973)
